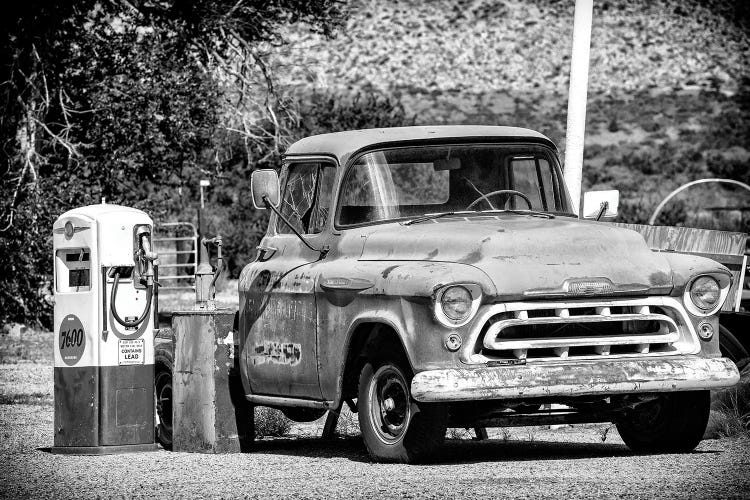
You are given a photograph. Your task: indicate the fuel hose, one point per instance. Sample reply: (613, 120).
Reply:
(124, 322)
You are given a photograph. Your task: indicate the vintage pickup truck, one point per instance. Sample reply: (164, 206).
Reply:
(437, 276)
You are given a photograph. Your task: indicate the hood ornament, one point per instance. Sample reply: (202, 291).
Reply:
(588, 286)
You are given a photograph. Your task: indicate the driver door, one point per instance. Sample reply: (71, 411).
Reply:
(281, 345)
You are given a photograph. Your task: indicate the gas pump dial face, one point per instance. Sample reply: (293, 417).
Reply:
(72, 339)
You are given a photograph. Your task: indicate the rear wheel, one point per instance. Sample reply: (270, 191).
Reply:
(674, 422)
(394, 427)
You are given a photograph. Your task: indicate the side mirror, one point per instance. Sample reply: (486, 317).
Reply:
(600, 204)
(265, 183)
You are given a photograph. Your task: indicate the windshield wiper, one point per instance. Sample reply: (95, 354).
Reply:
(532, 213)
(426, 217)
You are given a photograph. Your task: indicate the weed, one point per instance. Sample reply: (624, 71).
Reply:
(459, 433)
(505, 434)
(271, 423)
(604, 431)
(730, 413)
(531, 433)
(348, 424)
(730, 418)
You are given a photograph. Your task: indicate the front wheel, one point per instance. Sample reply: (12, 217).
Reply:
(393, 426)
(672, 423)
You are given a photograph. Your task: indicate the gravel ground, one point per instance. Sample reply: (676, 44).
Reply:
(531, 463)
(518, 462)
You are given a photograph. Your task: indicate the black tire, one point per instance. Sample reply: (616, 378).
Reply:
(244, 414)
(163, 394)
(673, 423)
(732, 348)
(394, 427)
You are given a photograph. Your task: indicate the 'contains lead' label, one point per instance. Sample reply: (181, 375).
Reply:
(72, 339)
(131, 352)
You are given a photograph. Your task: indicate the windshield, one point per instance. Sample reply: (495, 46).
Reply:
(414, 181)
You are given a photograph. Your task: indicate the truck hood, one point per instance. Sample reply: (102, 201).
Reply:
(527, 256)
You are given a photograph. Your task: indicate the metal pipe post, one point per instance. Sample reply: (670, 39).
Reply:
(579, 75)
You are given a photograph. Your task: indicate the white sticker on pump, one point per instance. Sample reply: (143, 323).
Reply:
(131, 352)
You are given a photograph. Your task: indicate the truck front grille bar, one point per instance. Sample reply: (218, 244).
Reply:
(544, 331)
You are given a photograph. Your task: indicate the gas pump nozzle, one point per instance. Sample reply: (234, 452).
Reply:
(144, 258)
(146, 255)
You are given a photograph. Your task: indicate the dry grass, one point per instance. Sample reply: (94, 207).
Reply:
(730, 415)
(728, 423)
(175, 300)
(26, 383)
(20, 344)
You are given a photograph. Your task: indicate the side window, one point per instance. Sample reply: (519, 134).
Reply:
(534, 177)
(547, 177)
(525, 180)
(299, 193)
(326, 184)
(307, 197)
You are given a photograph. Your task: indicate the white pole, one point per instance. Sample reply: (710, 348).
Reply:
(579, 76)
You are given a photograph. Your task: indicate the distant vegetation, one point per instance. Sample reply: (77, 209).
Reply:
(136, 101)
(669, 96)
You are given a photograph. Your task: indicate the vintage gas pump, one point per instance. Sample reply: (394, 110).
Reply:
(105, 308)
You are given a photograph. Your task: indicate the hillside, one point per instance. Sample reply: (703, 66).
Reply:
(668, 96)
(476, 46)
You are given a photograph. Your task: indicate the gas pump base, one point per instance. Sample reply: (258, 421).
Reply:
(104, 450)
(209, 412)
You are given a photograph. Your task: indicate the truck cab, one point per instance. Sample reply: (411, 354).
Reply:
(437, 276)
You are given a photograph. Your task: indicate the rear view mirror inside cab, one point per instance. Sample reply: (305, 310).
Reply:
(447, 164)
(601, 204)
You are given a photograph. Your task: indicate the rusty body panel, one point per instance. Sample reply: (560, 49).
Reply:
(280, 305)
(301, 309)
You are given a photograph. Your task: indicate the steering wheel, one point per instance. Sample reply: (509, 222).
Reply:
(500, 191)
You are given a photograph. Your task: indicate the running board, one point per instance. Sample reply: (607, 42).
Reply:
(283, 401)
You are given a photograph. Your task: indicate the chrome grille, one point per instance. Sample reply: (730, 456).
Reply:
(526, 331)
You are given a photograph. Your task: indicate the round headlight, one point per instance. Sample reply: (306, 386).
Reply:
(456, 303)
(705, 293)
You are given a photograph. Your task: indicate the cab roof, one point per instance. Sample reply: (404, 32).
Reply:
(342, 145)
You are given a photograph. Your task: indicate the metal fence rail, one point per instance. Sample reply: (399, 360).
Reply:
(177, 246)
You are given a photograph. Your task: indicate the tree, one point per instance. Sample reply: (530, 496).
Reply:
(122, 99)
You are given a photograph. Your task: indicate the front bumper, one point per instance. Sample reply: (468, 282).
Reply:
(575, 378)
